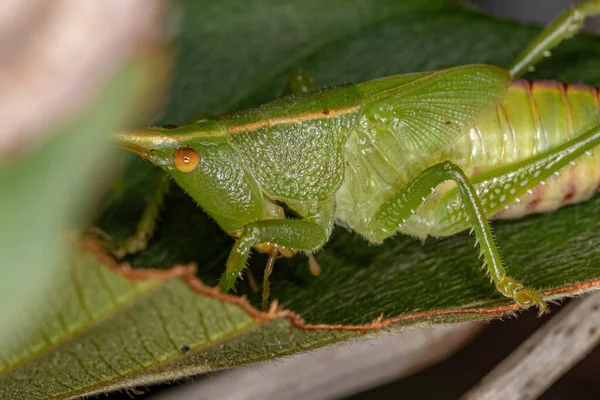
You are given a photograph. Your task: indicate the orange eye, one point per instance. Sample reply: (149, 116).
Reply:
(186, 160)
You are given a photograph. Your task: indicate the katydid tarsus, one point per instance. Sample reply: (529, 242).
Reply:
(424, 154)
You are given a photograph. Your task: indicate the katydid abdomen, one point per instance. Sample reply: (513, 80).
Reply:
(533, 117)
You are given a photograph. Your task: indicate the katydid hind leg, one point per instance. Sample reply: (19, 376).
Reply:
(397, 210)
(564, 27)
(307, 234)
(500, 188)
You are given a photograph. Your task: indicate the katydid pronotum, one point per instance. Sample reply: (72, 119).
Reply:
(428, 153)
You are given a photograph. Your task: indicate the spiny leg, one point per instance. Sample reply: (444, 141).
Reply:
(404, 204)
(308, 234)
(499, 188)
(564, 27)
(147, 224)
(268, 271)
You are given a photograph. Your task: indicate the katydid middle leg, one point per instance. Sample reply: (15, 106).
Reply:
(268, 270)
(397, 210)
(564, 27)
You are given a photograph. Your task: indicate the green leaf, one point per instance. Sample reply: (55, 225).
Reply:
(108, 327)
(42, 194)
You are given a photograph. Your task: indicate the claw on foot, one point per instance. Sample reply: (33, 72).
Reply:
(526, 298)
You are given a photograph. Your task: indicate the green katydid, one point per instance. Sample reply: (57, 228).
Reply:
(428, 153)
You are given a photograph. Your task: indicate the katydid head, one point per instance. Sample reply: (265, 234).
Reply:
(200, 159)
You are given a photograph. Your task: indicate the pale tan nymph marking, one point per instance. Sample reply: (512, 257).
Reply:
(309, 116)
(191, 135)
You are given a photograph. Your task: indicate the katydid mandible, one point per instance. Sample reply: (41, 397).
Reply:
(424, 154)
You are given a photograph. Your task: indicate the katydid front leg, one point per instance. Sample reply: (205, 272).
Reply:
(146, 226)
(308, 234)
(397, 210)
(564, 27)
